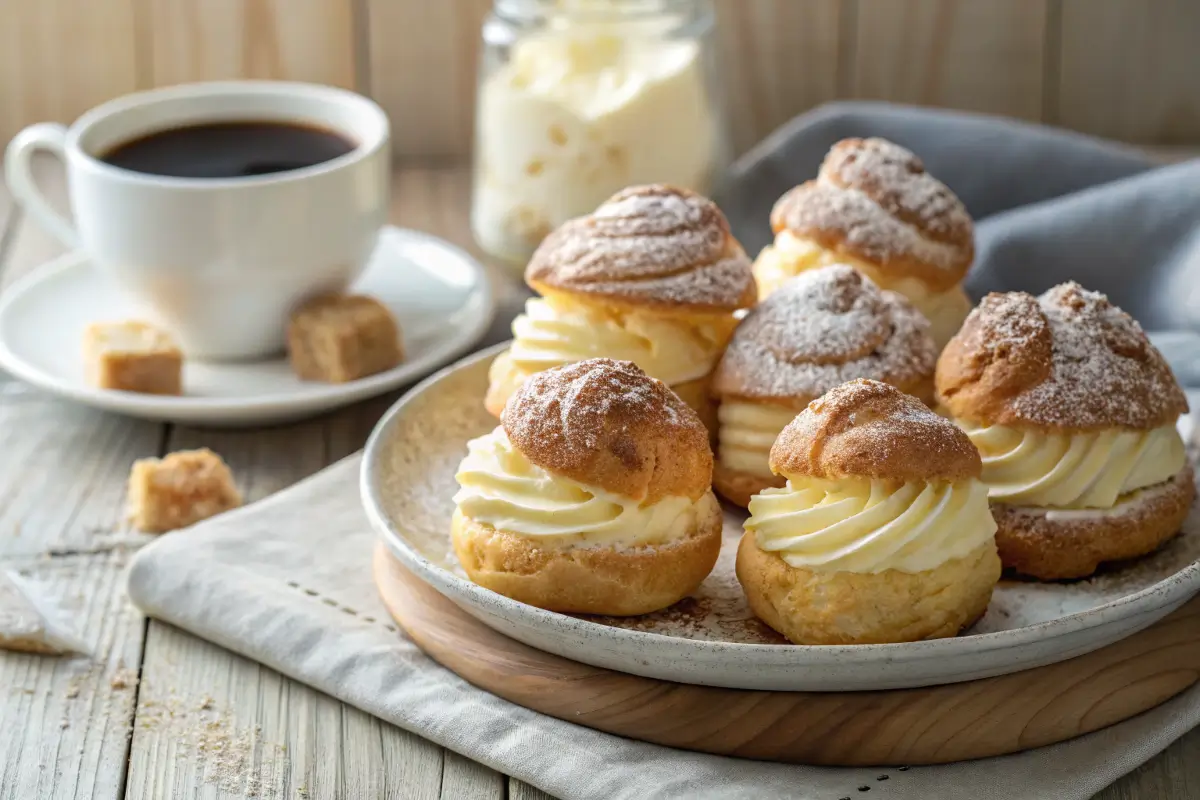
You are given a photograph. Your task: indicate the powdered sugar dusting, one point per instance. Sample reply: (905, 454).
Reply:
(823, 315)
(877, 198)
(560, 419)
(870, 429)
(1103, 372)
(652, 243)
(717, 611)
(653, 213)
(823, 328)
(868, 231)
(897, 181)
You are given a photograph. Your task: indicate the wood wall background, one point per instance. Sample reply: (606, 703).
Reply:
(1128, 69)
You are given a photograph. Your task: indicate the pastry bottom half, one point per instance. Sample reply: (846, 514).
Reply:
(504, 378)
(738, 487)
(1057, 545)
(820, 608)
(587, 580)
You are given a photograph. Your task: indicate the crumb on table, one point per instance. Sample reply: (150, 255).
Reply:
(132, 356)
(180, 489)
(338, 338)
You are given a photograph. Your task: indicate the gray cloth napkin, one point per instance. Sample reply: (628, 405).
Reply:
(260, 582)
(1052, 206)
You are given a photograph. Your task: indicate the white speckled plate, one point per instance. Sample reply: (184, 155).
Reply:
(712, 638)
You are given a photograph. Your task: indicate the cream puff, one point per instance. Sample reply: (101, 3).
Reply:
(1074, 413)
(873, 206)
(592, 496)
(817, 331)
(653, 276)
(882, 533)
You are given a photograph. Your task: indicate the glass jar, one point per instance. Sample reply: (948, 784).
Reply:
(578, 99)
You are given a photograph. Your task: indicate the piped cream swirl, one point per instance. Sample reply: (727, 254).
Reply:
(555, 330)
(1079, 470)
(747, 432)
(869, 526)
(500, 487)
(790, 255)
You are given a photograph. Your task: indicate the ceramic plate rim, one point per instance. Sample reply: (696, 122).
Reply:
(251, 405)
(1178, 586)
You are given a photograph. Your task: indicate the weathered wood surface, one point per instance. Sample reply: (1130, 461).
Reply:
(62, 470)
(1122, 68)
(303, 40)
(57, 59)
(1150, 93)
(209, 723)
(933, 53)
(66, 721)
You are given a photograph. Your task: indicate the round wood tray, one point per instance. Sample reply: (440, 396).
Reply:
(911, 726)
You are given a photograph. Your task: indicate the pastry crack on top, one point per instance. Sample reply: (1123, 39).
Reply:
(823, 328)
(648, 244)
(870, 429)
(1067, 359)
(875, 199)
(896, 179)
(579, 419)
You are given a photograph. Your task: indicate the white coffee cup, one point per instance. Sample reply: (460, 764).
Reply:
(220, 262)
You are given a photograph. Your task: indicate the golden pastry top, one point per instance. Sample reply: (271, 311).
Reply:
(558, 329)
(1038, 468)
(651, 246)
(1066, 361)
(609, 425)
(869, 429)
(869, 525)
(873, 200)
(502, 488)
(823, 328)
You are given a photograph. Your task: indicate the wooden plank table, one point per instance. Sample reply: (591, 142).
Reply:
(107, 728)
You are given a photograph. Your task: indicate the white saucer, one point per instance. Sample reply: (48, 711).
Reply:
(439, 294)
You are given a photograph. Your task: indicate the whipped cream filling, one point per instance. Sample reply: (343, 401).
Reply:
(747, 433)
(1074, 471)
(500, 487)
(556, 330)
(790, 255)
(869, 526)
(1132, 503)
(581, 110)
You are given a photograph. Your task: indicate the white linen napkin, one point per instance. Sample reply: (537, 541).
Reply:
(275, 581)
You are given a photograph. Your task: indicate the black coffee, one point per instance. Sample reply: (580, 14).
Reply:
(228, 150)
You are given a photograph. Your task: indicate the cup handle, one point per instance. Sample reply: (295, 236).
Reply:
(18, 160)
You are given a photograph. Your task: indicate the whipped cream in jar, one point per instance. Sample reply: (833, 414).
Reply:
(580, 98)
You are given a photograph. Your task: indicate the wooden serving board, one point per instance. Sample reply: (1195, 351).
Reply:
(932, 725)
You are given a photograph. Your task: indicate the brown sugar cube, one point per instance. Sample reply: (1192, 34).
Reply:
(180, 489)
(339, 338)
(132, 357)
